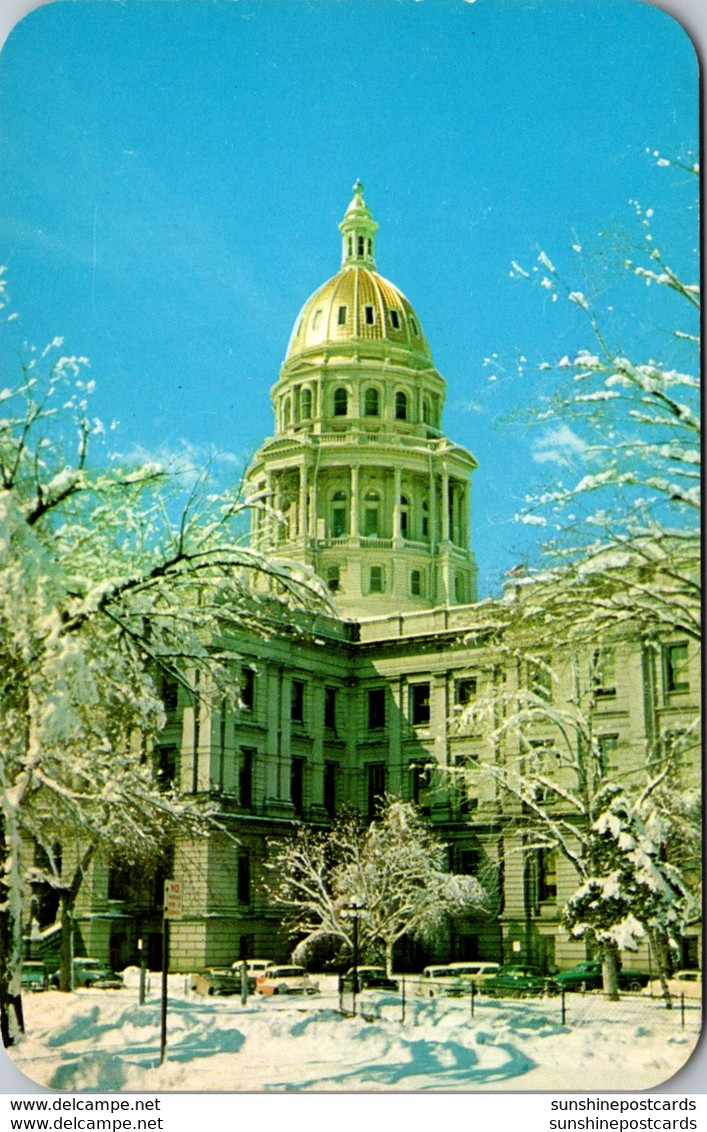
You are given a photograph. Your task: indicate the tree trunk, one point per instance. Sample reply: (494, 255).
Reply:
(660, 954)
(67, 897)
(11, 1016)
(389, 944)
(610, 972)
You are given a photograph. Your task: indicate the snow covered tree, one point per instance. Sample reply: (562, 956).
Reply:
(622, 428)
(632, 892)
(109, 581)
(554, 773)
(390, 874)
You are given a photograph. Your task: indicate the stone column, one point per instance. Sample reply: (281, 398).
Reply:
(397, 486)
(303, 492)
(445, 504)
(353, 518)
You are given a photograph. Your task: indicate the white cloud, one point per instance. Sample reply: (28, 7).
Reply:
(559, 446)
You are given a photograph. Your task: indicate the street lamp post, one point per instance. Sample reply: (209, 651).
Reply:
(353, 911)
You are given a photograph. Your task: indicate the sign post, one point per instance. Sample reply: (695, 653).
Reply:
(172, 908)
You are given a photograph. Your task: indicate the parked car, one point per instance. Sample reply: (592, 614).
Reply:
(587, 976)
(254, 967)
(286, 980)
(517, 981)
(34, 976)
(687, 983)
(478, 970)
(92, 973)
(215, 981)
(370, 978)
(440, 980)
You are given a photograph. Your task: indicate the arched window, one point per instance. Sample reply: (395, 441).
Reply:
(339, 515)
(371, 403)
(306, 404)
(404, 516)
(401, 406)
(415, 583)
(371, 514)
(286, 412)
(341, 402)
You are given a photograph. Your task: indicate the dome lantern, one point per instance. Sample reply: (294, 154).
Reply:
(358, 229)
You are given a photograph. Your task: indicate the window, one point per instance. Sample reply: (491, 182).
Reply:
(247, 696)
(330, 709)
(341, 316)
(419, 704)
(375, 583)
(469, 862)
(464, 765)
(425, 519)
(286, 413)
(413, 326)
(339, 515)
(369, 315)
(459, 587)
(350, 245)
(547, 874)
(401, 406)
(341, 401)
(404, 516)
(420, 783)
(375, 775)
(465, 690)
(415, 583)
(243, 881)
(170, 694)
(371, 513)
(540, 681)
(607, 746)
(394, 319)
(361, 246)
(676, 670)
(376, 709)
(333, 578)
(165, 766)
(306, 404)
(317, 320)
(604, 672)
(297, 702)
(371, 403)
(330, 773)
(426, 411)
(245, 777)
(297, 785)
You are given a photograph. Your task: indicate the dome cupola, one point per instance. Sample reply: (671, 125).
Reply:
(358, 230)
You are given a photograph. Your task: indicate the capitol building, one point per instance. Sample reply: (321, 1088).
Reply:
(360, 484)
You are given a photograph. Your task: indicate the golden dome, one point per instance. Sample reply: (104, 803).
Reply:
(357, 305)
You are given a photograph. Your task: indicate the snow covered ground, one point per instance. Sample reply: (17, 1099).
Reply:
(105, 1041)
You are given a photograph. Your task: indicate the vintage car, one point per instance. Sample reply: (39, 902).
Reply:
(213, 981)
(475, 969)
(687, 983)
(88, 972)
(369, 978)
(33, 976)
(286, 980)
(517, 981)
(254, 967)
(587, 976)
(440, 980)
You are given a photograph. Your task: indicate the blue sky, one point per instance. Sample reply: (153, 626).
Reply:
(172, 175)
